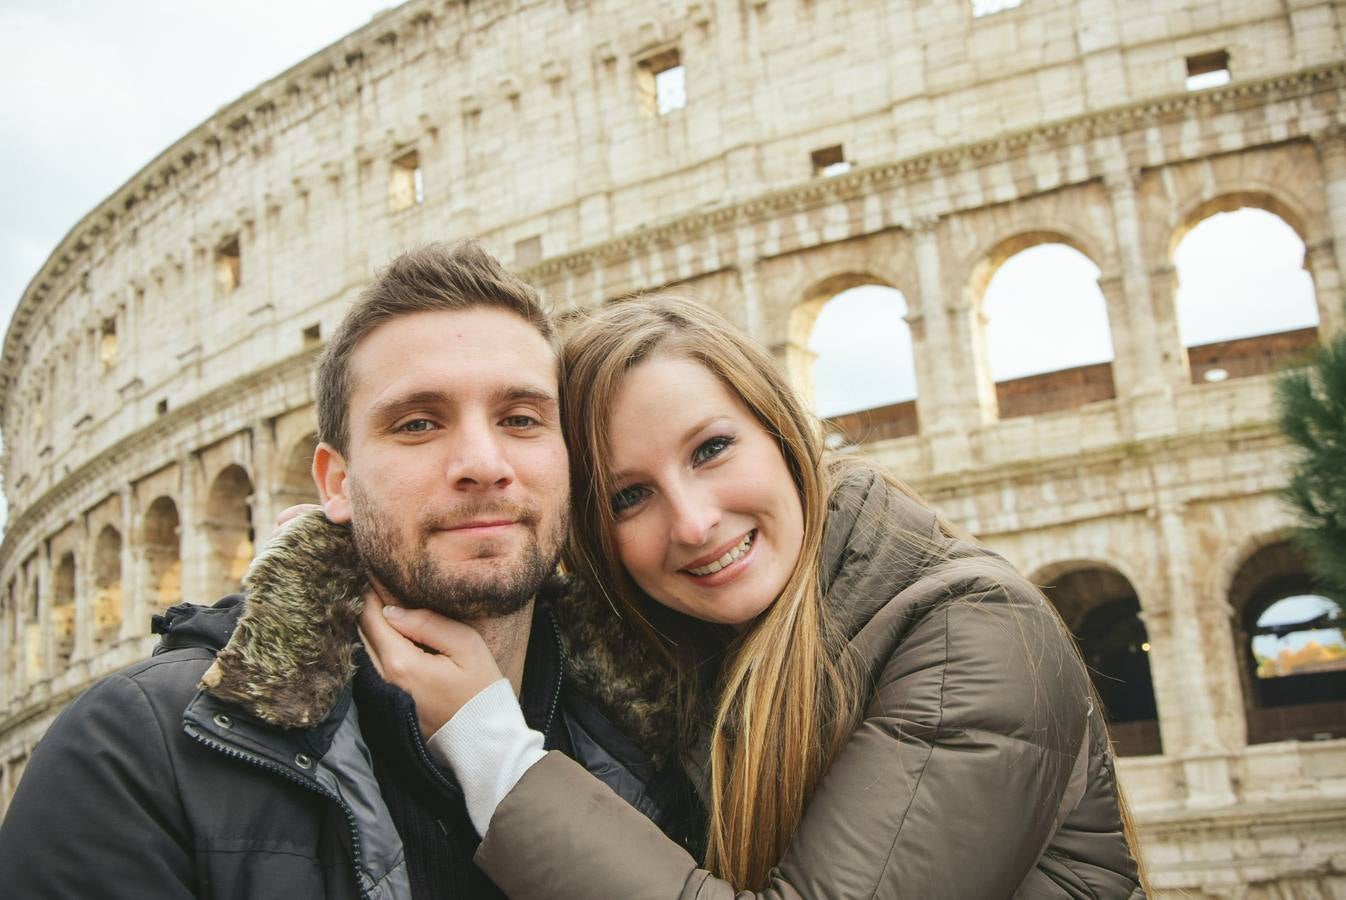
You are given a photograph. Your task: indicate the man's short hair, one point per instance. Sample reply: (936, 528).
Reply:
(433, 278)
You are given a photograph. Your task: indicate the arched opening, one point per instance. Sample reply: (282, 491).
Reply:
(1245, 303)
(1048, 341)
(296, 479)
(1291, 647)
(862, 367)
(1101, 609)
(63, 611)
(163, 557)
(107, 574)
(229, 530)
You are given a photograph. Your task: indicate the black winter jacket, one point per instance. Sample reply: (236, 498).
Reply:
(151, 785)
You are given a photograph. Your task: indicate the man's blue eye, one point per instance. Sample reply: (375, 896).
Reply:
(711, 448)
(417, 426)
(627, 498)
(519, 421)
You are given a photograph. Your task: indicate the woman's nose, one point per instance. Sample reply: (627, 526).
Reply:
(694, 519)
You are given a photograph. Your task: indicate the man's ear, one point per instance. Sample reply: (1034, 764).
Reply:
(329, 474)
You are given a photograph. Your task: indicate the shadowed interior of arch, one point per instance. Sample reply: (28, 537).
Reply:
(1291, 647)
(1101, 608)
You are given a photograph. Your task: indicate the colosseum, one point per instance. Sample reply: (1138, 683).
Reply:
(765, 156)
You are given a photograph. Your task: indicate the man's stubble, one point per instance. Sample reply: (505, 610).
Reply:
(417, 579)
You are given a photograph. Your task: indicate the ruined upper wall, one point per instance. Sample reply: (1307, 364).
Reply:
(530, 126)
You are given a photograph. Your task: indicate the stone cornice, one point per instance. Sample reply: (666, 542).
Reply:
(865, 180)
(114, 459)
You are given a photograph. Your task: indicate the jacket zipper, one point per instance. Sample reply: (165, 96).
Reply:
(269, 766)
(419, 742)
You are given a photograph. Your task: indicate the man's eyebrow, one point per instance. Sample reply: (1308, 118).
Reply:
(524, 392)
(395, 406)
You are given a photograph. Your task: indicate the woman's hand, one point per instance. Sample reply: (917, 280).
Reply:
(455, 666)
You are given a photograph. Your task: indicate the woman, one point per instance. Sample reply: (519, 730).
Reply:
(871, 705)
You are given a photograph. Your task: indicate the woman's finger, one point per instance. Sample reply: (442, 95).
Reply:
(293, 512)
(430, 629)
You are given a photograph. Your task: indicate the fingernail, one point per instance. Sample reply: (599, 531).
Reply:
(392, 612)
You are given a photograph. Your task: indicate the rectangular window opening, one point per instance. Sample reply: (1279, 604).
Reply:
(991, 7)
(1207, 70)
(228, 266)
(528, 251)
(663, 83)
(107, 344)
(406, 185)
(161, 408)
(829, 161)
(313, 335)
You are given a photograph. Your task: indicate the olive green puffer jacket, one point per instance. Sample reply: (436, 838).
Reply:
(980, 768)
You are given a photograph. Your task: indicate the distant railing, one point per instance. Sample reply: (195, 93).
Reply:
(1301, 722)
(1139, 738)
(1050, 391)
(1244, 357)
(878, 424)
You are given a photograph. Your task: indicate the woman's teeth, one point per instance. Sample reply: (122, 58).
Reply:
(736, 553)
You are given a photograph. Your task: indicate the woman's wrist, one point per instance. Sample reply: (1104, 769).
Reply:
(488, 746)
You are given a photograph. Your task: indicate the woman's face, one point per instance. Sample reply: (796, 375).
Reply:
(709, 521)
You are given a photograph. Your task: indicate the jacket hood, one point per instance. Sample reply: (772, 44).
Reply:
(291, 655)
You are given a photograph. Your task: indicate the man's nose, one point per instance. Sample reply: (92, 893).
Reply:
(479, 460)
(694, 517)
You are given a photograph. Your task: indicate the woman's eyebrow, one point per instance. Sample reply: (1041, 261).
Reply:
(686, 438)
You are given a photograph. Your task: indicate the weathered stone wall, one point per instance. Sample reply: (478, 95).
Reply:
(155, 380)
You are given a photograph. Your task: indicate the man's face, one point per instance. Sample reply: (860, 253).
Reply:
(456, 483)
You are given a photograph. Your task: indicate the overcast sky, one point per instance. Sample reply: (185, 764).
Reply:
(93, 90)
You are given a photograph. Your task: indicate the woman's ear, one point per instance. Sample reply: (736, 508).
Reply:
(329, 474)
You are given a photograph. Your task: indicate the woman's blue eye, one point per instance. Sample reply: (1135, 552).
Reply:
(711, 449)
(627, 498)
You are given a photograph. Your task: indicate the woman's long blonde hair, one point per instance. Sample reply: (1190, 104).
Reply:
(786, 702)
(788, 697)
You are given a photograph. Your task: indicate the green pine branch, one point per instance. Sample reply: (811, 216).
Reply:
(1313, 416)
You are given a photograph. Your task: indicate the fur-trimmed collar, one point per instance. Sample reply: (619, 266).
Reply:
(292, 652)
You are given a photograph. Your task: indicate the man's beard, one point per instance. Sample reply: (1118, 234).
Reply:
(418, 580)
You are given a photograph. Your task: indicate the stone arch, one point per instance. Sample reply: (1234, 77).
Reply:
(229, 529)
(1101, 608)
(63, 610)
(107, 584)
(1297, 703)
(161, 539)
(884, 393)
(1225, 331)
(294, 482)
(1059, 375)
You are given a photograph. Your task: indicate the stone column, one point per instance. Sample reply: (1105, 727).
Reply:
(46, 642)
(135, 613)
(1331, 146)
(263, 464)
(193, 542)
(84, 591)
(1320, 260)
(1141, 372)
(1205, 762)
(953, 402)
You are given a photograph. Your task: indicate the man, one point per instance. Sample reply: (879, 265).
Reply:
(284, 775)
